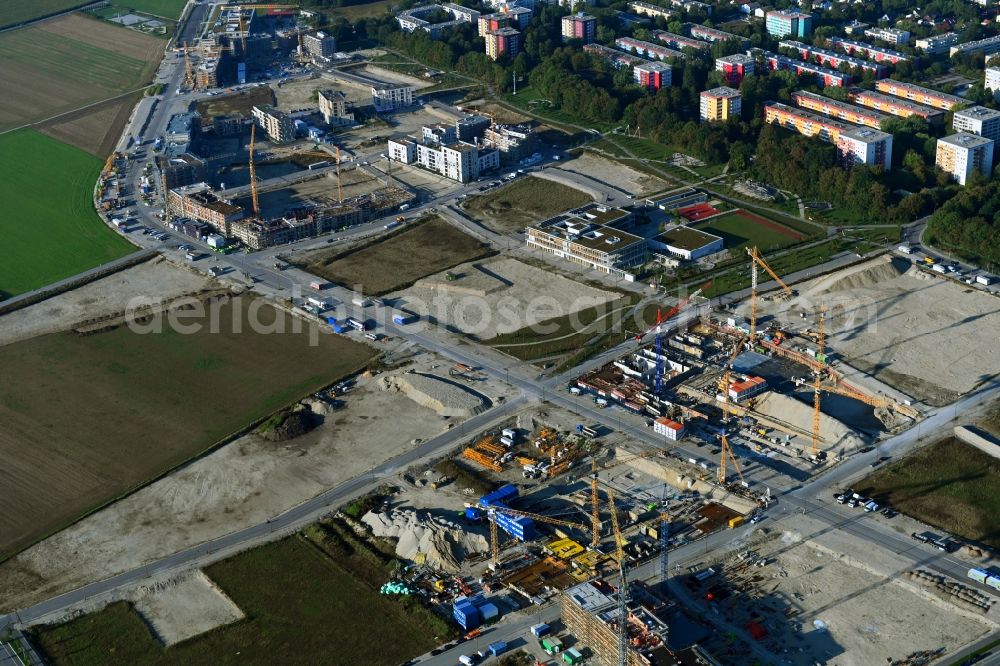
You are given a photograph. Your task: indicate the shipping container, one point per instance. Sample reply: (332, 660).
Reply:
(360, 301)
(403, 319)
(552, 644)
(736, 521)
(540, 630)
(993, 582)
(489, 612)
(498, 648)
(984, 279)
(978, 575)
(509, 432)
(572, 656)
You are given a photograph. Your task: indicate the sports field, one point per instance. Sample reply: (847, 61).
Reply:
(18, 11)
(741, 229)
(49, 225)
(64, 64)
(86, 418)
(300, 601)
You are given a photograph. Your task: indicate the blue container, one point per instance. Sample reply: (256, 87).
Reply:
(472, 513)
(499, 496)
(498, 648)
(489, 612)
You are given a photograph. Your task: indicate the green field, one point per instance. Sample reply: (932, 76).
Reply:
(167, 8)
(950, 485)
(526, 200)
(304, 605)
(49, 225)
(739, 232)
(89, 417)
(16, 11)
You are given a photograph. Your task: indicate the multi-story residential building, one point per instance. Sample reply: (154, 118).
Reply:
(228, 125)
(391, 96)
(333, 108)
(894, 106)
(921, 95)
(459, 161)
(579, 26)
(937, 43)
(319, 45)
(648, 9)
(876, 53)
(720, 104)
(414, 19)
(402, 150)
(503, 42)
(823, 76)
(471, 127)
(199, 203)
(890, 35)
(992, 82)
(987, 46)
(647, 49)
(788, 24)
(179, 171)
(618, 59)
(713, 35)
(678, 42)
(832, 59)
(590, 236)
(489, 22)
(439, 133)
(854, 144)
(515, 142)
(858, 115)
(963, 154)
(653, 75)
(978, 120)
(735, 67)
(278, 125)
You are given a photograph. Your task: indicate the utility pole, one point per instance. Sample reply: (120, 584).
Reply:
(513, 75)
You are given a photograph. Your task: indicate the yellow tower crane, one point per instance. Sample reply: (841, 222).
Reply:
(495, 533)
(726, 454)
(817, 377)
(622, 586)
(755, 261)
(595, 500)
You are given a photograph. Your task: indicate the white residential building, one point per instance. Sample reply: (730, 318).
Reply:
(937, 43)
(672, 430)
(459, 161)
(403, 150)
(978, 120)
(865, 145)
(962, 154)
(891, 35)
(389, 97)
(993, 80)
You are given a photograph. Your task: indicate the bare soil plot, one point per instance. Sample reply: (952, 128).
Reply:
(354, 182)
(241, 484)
(95, 129)
(523, 202)
(299, 93)
(613, 173)
(240, 102)
(131, 405)
(62, 65)
(187, 607)
(399, 260)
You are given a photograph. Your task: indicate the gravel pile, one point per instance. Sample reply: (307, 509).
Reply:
(443, 396)
(445, 543)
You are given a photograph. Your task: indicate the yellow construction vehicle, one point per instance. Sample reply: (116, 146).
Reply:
(494, 530)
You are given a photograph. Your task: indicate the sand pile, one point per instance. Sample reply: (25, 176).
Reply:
(838, 437)
(444, 543)
(443, 396)
(868, 274)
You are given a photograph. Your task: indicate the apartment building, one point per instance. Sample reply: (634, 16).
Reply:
(713, 35)
(333, 108)
(618, 59)
(647, 49)
(390, 96)
(921, 95)
(937, 43)
(579, 26)
(992, 82)
(503, 42)
(832, 59)
(278, 125)
(987, 46)
(850, 113)
(199, 203)
(855, 145)
(978, 120)
(319, 45)
(823, 76)
(402, 150)
(788, 24)
(590, 236)
(653, 75)
(890, 35)
(869, 51)
(963, 154)
(514, 142)
(720, 104)
(894, 106)
(678, 42)
(735, 68)
(185, 169)
(471, 127)
(648, 9)
(459, 161)
(415, 18)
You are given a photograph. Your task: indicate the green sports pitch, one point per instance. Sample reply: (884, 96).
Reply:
(49, 225)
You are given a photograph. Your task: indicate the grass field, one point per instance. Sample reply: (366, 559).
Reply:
(62, 65)
(166, 8)
(737, 230)
(401, 259)
(526, 200)
(131, 405)
(949, 485)
(300, 602)
(795, 260)
(357, 11)
(18, 11)
(49, 225)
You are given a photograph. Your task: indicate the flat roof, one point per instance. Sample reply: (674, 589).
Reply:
(886, 84)
(966, 140)
(606, 239)
(721, 91)
(589, 598)
(978, 113)
(687, 238)
(866, 135)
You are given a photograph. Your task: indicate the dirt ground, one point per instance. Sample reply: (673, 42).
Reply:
(612, 173)
(425, 183)
(500, 113)
(391, 76)
(501, 296)
(240, 102)
(157, 277)
(186, 607)
(298, 94)
(924, 335)
(355, 182)
(525, 201)
(866, 613)
(242, 484)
